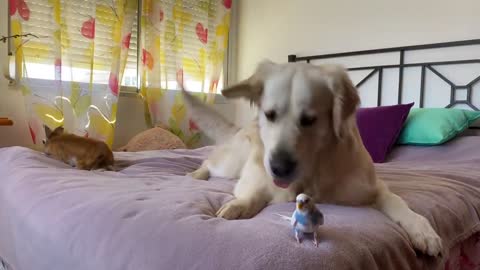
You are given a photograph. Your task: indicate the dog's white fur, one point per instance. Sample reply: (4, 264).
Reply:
(333, 165)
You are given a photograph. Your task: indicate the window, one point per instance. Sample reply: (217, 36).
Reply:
(41, 24)
(130, 75)
(188, 38)
(40, 58)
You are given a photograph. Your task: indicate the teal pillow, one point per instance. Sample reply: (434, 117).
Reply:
(434, 126)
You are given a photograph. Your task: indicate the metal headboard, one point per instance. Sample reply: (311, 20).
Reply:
(402, 65)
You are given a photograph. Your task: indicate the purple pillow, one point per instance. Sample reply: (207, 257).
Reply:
(379, 128)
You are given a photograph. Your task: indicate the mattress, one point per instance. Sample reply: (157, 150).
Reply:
(149, 215)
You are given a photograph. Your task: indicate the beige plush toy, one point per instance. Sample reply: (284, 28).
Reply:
(156, 138)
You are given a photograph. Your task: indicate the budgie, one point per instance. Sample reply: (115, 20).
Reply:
(306, 218)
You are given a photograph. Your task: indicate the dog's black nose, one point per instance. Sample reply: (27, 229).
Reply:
(282, 164)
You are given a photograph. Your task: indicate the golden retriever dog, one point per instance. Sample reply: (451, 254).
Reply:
(304, 140)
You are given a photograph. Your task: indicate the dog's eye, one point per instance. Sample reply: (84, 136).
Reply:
(44, 141)
(271, 115)
(307, 120)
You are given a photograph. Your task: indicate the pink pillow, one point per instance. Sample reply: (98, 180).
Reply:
(379, 128)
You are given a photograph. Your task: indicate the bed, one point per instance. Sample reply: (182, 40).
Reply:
(149, 215)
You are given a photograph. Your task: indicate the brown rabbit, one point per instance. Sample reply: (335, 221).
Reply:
(83, 153)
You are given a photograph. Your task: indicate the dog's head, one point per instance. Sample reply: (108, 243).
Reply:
(303, 110)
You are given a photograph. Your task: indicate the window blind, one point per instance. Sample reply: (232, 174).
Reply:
(130, 74)
(181, 36)
(40, 55)
(39, 52)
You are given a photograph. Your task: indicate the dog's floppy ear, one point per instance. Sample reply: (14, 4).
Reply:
(345, 100)
(252, 87)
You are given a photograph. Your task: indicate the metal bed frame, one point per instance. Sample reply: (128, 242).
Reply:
(402, 65)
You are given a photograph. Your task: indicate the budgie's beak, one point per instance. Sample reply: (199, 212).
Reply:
(300, 205)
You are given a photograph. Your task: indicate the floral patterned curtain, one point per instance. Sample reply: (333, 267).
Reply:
(71, 65)
(183, 42)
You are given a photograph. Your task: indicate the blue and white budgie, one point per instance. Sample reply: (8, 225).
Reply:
(306, 218)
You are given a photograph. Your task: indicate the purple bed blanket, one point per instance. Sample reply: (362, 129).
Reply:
(149, 216)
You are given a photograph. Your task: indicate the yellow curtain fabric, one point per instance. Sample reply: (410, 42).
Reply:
(183, 42)
(72, 66)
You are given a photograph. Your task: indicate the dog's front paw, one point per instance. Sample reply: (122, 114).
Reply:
(201, 173)
(422, 235)
(236, 209)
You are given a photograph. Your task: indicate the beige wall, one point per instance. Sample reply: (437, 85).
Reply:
(275, 28)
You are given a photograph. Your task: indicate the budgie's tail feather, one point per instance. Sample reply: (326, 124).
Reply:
(284, 217)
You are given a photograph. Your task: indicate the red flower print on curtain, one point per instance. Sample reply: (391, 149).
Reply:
(88, 28)
(22, 8)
